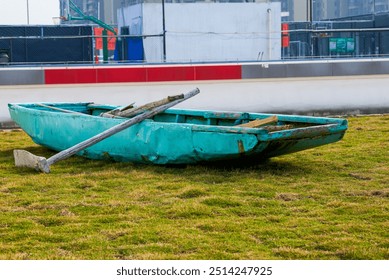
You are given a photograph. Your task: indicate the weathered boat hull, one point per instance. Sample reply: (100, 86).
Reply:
(176, 136)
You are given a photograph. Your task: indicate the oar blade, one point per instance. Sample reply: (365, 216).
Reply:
(27, 159)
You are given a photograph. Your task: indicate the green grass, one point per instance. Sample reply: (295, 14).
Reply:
(331, 202)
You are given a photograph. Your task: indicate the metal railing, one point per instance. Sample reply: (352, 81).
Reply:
(303, 44)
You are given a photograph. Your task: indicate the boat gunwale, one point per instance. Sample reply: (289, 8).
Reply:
(316, 123)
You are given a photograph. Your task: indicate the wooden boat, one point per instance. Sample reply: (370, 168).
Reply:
(176, 136)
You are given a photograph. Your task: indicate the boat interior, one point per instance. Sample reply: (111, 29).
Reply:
(270, 122)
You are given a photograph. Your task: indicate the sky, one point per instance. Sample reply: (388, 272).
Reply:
(22, 12)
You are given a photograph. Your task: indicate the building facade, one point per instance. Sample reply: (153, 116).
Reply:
(293, 10)
(22, 12)
(106, 10)
(333, 9)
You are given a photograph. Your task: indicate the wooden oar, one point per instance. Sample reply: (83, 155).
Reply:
(113, 113)
(260, 122)
(135, 111)
(27, 159)
(128, 112)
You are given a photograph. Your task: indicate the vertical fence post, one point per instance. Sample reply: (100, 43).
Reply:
(105, 45)
(164, 30)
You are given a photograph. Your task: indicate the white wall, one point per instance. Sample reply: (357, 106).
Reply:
(223, 31)
(209, 31)
(133, 17)
(17, 12)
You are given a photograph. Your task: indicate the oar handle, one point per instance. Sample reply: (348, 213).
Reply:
(117, 128)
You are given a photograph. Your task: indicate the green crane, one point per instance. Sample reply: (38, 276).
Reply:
(82, 16)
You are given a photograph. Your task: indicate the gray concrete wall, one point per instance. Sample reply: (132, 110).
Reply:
(21, 76)
(315, 68)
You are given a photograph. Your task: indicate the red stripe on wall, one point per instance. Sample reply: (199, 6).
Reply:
(218, 72)
(175, 73)
(121, 75)
(142, 74)
(70, 76)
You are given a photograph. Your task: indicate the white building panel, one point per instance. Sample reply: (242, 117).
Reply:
(29, 12)
(205, 32)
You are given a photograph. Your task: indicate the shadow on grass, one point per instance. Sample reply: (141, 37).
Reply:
(220, 171)
(7, 159)
(274, 166)
(39, 151)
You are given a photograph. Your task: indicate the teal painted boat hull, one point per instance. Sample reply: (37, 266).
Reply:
(176, 136)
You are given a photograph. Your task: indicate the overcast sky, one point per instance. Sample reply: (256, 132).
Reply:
(21, 12)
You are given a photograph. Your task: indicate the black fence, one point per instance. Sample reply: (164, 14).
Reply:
(46, 44)
(362, 36)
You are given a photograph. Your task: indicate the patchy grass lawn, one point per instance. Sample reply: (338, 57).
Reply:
(331, 202)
